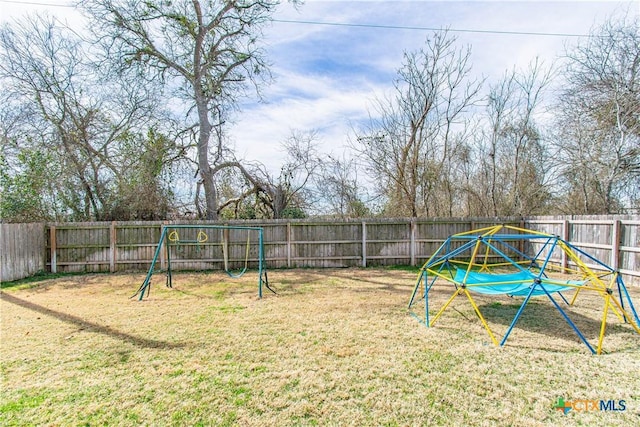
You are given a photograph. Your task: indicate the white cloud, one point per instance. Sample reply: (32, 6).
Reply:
(305, 102)
(326, 75)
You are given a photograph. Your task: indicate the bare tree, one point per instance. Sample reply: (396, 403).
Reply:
(339, 188)
(412, 136)
(291, 188)
(599, 120)
(286, 194)
(208, 50)
(75, 118)
(514, 165)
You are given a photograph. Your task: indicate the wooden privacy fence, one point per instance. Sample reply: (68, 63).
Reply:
(122, 246)
(616, 242)
(127, 246)
(22, 250)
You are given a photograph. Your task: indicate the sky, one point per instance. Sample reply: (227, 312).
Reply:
(326, 77)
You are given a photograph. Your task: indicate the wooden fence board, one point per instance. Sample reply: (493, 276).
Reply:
(21, 250)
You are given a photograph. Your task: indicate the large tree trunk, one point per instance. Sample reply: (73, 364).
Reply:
(206, 173)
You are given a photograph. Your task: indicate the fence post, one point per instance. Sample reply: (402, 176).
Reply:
(288, 244)
(565, 237)
(52, 234)
(412, 249)
(364, 244)
(163, 250)
(44, 246)
(615, 244)
(112, 247)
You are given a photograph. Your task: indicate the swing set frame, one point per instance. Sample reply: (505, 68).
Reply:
(169, 237)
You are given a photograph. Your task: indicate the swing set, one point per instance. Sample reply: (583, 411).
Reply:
(178, 244)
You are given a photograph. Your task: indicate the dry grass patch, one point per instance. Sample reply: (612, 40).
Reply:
(334, 347)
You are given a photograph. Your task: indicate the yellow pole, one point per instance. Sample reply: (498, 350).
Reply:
(539, 233)
(484, 322)
(629, 318)
(575, 296)
(444, 307)
(446, 277)
(593, 278)
(583, 267)
(473, 259)
(486, 258)
(610, 290)
(493, 228)
(604, 323)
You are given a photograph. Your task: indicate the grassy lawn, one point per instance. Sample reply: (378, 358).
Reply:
(334, 347)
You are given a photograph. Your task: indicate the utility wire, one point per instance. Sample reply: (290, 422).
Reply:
(379, 26)
(402, 27)
(33, 3)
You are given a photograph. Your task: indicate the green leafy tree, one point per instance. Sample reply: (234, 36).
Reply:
(144, 189)
(25, 187)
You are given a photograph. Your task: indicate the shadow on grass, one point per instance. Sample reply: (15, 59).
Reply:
(380, 280)
(216, 296)
(36, 280)
(91, 326)
(543, 317)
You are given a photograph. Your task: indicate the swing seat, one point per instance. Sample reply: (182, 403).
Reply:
(225, 255)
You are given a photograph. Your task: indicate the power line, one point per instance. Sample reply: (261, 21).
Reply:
(353, 25)
(402, 27)
(33, 3)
